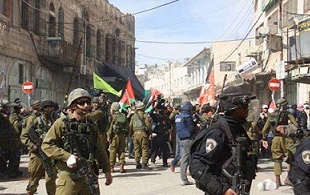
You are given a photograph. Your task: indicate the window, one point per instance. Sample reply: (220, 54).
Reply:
(88, 41)
(259, 37)
(288, 8)
(76, 32)
(20, 73)
(25, 15)
(61, 21)
(52, 22)
(273, 23)
(227, 66)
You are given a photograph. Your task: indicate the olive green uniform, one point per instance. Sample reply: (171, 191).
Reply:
(35, 166)
(14, 160)
(140, 128)
(117, 135)
(56, 146)
(280, 142)
(252, 131)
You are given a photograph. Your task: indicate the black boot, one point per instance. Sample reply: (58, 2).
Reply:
(138, 166)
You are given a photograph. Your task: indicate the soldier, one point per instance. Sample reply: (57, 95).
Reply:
(140, 128)
(100, 116)
(206, 116)
(299, 173)
(73, 142)
(219, 155)
(277, 122)
(6, 137)
(16, 122)
(39, 127)
(117, 137)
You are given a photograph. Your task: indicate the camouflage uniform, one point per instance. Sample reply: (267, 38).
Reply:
(140, 128)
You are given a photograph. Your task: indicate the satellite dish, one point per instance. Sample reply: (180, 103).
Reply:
(263, 31)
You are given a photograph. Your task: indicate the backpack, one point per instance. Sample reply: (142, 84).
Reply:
(120, 123)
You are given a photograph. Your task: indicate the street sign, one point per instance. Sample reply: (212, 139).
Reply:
(274, 84)
(27, 87)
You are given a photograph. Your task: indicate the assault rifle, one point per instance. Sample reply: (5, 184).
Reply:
(84, 167)
(238, 181)
(34, 137)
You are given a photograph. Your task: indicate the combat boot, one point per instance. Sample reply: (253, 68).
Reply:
(112, 169)
(138, 165)
(122, 169)
(278, 181)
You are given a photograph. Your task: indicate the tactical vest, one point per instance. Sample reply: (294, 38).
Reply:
(119, 123)
(42, 127)
(137, 122)
(278, 118)
(80, 138)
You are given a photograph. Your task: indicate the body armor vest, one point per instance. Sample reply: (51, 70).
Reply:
(278, 118)
(43, 127)
(81, 139)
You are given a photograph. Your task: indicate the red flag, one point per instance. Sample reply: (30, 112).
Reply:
(128, 96)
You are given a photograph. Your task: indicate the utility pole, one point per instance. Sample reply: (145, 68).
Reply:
(281, 34)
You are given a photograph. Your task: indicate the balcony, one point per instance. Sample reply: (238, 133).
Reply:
(300, 74)
(58, 54)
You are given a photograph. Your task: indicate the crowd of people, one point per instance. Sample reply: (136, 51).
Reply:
(91, 135)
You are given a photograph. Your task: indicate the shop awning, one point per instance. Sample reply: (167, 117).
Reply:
(117, 77)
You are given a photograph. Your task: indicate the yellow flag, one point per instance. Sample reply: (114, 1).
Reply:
(99, 83)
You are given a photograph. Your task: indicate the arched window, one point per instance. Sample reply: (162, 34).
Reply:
(37, 17)
(76, 32)
(61, 21)
(25, 15)
(52, 22)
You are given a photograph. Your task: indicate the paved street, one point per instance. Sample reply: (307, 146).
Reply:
(158, 181)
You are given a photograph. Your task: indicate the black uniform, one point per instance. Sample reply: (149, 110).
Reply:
(299, 173)
(220, 159)
(213, 151)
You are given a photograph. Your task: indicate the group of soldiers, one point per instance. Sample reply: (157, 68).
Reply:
(74, 143)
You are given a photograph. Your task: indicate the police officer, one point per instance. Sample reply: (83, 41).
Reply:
(299, 173)
(39, 125)
(140, 128)
(214, 161)
(277, 122)
(117, 136)
(74, 142)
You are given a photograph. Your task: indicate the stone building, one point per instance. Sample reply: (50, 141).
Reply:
(58, 44)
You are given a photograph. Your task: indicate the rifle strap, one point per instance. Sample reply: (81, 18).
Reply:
(226, 127)
(142, 121)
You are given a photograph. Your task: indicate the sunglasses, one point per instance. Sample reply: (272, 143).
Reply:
(83, 102)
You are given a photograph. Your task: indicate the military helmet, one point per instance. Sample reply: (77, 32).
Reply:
(115, 106)
(140, 106)
(235, 97)
(77, 93)
(45, 103)
(281, 102)
(36, 104)
(96, 100)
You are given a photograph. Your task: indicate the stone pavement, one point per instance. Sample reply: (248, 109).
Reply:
(159, 181)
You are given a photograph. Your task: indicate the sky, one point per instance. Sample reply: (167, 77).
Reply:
(185, 21)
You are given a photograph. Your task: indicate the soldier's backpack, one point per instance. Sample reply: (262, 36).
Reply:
(120, 123)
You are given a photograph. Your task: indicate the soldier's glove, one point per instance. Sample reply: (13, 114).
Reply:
(71, 162)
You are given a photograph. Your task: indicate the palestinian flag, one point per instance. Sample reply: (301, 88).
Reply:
(128, 96)
(150, 96)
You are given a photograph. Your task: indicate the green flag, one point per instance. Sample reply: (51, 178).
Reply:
(99, 83)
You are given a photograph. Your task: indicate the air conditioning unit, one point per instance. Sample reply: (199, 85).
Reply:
(83, 69)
